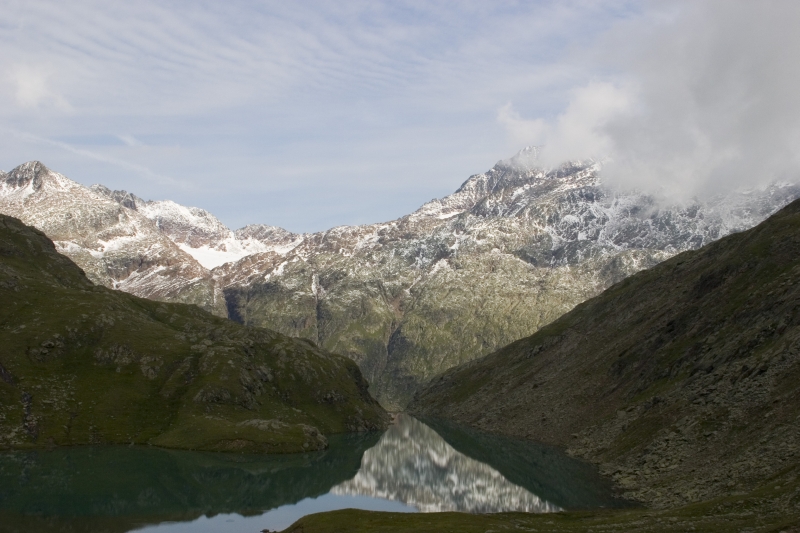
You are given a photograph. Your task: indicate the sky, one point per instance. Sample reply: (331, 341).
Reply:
(309, 115)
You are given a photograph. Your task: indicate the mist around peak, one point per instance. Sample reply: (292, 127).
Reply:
(700, 100)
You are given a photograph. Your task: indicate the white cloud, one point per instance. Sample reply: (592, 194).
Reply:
(403, 99)
(579, 132)
(388, 103)
(718, 105)
(703, 98)
(522, 131)
(34, 87)
(129, 140)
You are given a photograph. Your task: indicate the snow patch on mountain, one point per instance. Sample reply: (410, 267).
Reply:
(202, 235)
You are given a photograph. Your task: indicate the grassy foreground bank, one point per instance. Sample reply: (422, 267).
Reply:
(772, 508)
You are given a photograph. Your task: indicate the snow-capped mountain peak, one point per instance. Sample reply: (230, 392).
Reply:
(124, 198)
(115, 245)
(199, 233)
(524, 160)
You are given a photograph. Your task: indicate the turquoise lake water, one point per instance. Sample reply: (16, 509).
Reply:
(412, 467)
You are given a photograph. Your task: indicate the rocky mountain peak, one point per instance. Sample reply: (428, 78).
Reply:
(124, 198)
(31, 174)
(266, 234)
(525, 159)
(191, 225)
(202, 235)
(514, 248)
(512, 184)
(115, 245)
(511, 250)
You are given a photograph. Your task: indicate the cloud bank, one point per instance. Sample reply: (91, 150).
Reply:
(700, 97)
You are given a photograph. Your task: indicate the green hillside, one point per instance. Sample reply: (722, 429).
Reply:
(83, 364)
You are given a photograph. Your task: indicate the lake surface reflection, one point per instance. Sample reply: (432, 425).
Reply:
(413, 466)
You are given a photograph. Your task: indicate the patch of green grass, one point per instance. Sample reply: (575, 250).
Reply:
(768, 509)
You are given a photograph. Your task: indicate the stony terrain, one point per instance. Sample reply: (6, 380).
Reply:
(114, 245)
(83, 364)
(510, 251)
(680, 381)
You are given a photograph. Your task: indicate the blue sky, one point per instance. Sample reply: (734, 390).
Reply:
(315, 114)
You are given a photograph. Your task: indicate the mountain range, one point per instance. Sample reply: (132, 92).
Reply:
(510, 251)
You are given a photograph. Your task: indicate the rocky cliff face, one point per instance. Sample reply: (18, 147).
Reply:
(114, 245)
(510, 251)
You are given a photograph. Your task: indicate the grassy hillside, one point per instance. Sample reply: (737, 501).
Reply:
(84, 364)
(680, 381)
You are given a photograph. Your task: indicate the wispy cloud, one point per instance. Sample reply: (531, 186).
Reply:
(389, 103)
(89, 154)
(34, 87)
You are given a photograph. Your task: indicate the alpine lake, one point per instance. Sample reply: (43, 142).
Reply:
(411, 467)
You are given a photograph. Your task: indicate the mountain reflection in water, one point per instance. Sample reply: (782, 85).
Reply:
(431, 466)
(411, 463)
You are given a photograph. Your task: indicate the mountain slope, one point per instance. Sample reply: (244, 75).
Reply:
(510, 251)
(680, 380)
(114, 245)
(82, 364)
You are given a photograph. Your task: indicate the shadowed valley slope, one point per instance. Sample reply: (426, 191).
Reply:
(681, 381)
